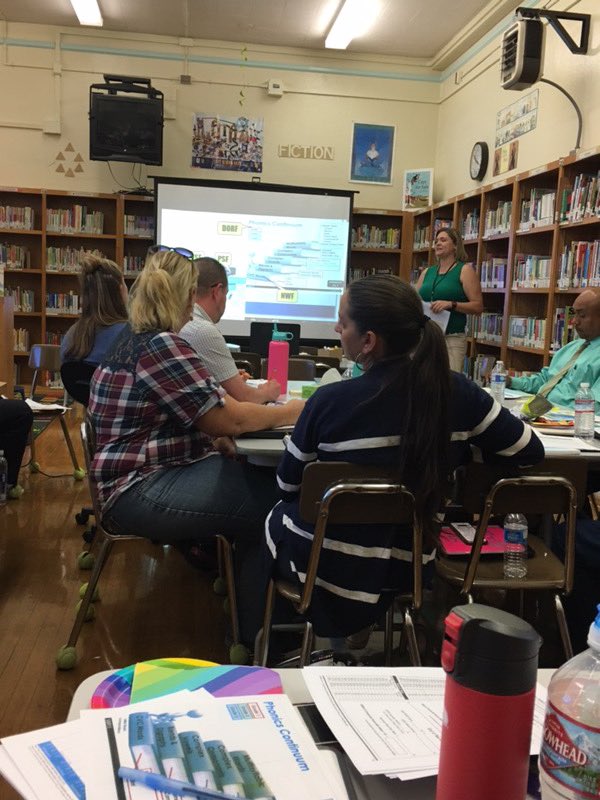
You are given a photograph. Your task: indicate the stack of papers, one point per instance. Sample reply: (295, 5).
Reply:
(389, 719)
(255, 746)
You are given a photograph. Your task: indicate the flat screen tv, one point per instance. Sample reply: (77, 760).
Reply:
(285, 248)
(126, 128)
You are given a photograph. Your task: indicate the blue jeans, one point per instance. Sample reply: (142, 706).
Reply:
(215, 495)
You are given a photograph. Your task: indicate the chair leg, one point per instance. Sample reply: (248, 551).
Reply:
(261, 649)
(226, 552)
(563, 627)
(307, 644)
(87, 598)
(411, 637)
(388, 635)
(67, 436)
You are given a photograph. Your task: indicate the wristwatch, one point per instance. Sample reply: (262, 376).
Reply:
(454, 304)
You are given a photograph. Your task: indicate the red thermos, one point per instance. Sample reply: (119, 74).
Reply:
(491, 660)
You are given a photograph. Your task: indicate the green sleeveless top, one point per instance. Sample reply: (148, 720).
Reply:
(446, 287)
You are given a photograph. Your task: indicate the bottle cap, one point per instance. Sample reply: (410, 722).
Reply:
(594, 635)
(584, 386)
(281, 336)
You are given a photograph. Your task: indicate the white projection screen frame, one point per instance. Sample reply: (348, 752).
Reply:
(285, 248)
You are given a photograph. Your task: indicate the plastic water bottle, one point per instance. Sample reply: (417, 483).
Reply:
(570, 752)
(348, 372)
(498, 381)
(3, 478)
(515, 546)
(584, 412)
(278, 358)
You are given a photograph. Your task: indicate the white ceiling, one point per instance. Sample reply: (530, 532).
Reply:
(434, 30)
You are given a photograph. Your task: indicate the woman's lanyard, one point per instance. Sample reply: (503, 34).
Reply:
(439, 277)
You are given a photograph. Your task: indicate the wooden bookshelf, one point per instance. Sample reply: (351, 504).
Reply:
(544, 224)
(43, 233)
(377, 242)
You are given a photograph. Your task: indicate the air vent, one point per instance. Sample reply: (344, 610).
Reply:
(522, 49)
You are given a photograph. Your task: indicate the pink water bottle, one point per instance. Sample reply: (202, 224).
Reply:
(491, 660)
(279, 356)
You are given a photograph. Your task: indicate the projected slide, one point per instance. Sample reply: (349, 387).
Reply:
(279, 267)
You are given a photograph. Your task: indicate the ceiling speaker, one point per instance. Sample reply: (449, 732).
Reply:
(522, 49)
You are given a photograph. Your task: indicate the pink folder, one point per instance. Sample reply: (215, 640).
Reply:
(452, 545)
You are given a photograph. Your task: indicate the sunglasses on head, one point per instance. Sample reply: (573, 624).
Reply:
(162, 248)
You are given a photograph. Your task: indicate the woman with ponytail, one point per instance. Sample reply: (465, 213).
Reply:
(103, 296)
(162, 423)
(407, 411)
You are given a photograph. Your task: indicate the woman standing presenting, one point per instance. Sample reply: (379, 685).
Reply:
(452, 286)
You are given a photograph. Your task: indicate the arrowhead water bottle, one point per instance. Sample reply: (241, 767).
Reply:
(498, 381)
(278, 358)
(584, 412)
(570, 752)
(515, 546)
(491, 660)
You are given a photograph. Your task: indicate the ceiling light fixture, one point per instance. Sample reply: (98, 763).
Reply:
(352, 21)
(88, 12)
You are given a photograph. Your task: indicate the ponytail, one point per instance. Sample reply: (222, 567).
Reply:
(161, 292)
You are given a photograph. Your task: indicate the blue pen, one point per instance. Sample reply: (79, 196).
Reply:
(170, 786)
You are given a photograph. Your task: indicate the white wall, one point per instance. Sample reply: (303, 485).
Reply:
(45, 76)
(468, 110)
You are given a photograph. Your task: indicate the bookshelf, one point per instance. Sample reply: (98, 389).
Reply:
(535, 241)
(43, 234)
(377, 238)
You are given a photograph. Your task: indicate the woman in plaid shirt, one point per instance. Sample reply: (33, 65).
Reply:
(162, 423)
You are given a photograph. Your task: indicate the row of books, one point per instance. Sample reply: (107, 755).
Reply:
(77, 219)
(19, 217)
(527, 332)
(362, 272)
(372, 236)
(563, 330)
(579, 265)
(68, 259)
(439, 223)
(14, 256)
(137, 225)
(583, 200)
(487, 327)
(55, 338)
(492, 273)
(62, 303)
(538, 210)
(479, 368)
(421, 237)
(497, 220)
(531, 272)
(470, 225)
(24, 299)
(21, 340)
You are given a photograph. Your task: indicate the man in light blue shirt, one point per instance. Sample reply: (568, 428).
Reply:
(585, 368)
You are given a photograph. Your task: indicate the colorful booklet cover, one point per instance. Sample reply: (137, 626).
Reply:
(166, 675)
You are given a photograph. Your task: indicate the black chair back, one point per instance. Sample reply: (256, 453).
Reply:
(76, 377)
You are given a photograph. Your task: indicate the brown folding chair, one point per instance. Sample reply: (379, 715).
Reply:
(532, 494)
(46, 358)
(322, 363)
(341, 493)
(67, 655)
(250, 362)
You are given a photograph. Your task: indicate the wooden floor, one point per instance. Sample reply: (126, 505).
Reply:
(152, 603)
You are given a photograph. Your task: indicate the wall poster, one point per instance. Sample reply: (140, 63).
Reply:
(229, 143)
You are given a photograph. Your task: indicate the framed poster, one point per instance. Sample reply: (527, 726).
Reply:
(372, 153)
(417, 189)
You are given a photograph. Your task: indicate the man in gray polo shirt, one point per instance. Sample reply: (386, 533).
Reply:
(206, 339)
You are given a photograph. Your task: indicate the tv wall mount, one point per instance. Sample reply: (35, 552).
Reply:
(125, 83)
(555, 20)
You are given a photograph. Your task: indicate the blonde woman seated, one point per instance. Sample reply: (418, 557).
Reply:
(158, 415)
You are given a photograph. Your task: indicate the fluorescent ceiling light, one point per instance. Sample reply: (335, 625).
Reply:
(355, 19)
(87, 12)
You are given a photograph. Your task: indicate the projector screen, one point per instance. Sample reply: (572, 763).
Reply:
(285, 248)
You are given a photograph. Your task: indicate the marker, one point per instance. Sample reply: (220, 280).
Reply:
(160, 783)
